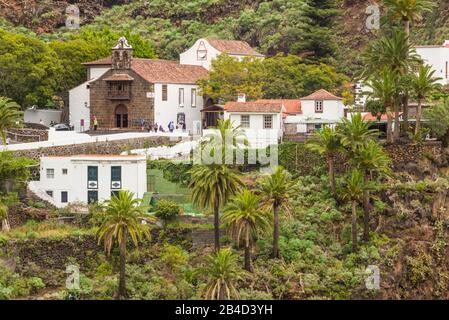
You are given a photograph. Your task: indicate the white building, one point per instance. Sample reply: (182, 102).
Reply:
(261, 122)
(176, 95)
(438, 57)
(318, 109)
(204, 51)
(89, 178)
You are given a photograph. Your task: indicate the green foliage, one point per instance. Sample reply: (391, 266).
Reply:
(299, 160)
(13, 285)
(167, 210)
(173, 172)
(280, 76)
(174, 257)
(85, 290)
(14, 168)
(10, 115)
(438, 118)
(419, 267)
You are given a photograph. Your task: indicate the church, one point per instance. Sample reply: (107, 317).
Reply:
(127, 93)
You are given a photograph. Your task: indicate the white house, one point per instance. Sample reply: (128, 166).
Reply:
(204, 51)
(261, 122)
(89, 178)
(438, 57)
(318, 109)
(175, 95)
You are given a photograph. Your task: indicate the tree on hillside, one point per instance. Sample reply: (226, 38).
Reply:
(244, 218)
(384, 90)
(355, 133)
(438, 120)
(30, 71)
(327, 144)
(14, 169)
(352, 190)
(276, 191)
(320, 35)
(423, 84)
(122, 221)
(10, 116)
(287, 77)
(223, 272)
(212, 187)
(370, 159)
(408, 11)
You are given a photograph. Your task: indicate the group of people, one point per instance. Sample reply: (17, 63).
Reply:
(171, 127)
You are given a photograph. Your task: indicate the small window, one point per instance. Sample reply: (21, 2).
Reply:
(164, 92)
(268, 122)
(180, 118)
(49, 192)
(65, 171)
(193, 98)
(181, 97)
(244, 121)
(50, 173)
(92, 197)
(319, 106)
(64, 197)
(116, 177)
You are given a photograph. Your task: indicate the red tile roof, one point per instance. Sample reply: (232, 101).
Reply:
(321, 95)
(292, 106)
(234, 47)
(119, 77)
(258, 107)
(161, 71)
(165, 71)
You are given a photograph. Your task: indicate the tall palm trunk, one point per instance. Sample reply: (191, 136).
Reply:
(217, 227)
(275, 253)
(389, 128)
(122, 278)
(366, 210)
(405, 115)
(248, 266)
(5, 225)
(397, 123)
(418, 116)
(354, 226)
(330, 162)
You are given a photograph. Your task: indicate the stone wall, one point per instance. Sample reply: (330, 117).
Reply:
(106, 147)
(404, 153)
(27, 134)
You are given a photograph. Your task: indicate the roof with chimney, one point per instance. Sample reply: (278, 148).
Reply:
(234, 47)
(321, 95)
(256, 107)
(160, 71)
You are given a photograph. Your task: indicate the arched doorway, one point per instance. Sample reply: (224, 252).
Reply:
(121, 116)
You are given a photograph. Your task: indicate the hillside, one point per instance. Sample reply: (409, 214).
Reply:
(271, 26)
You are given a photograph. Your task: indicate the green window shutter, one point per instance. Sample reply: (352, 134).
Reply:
(116, 173)
(92, 173)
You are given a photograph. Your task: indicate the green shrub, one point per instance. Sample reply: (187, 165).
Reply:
(167, 210)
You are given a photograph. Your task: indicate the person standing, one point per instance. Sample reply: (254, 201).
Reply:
(95, 123)
(183, 127)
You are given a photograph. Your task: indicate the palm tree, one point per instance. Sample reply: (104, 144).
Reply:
(122, 219)
(384, 89)
(371, 158)
(225, 138)
(352, 191)
(223, 271)
(276, 190)
(4, 217)
(355, 133)
(423, 84)
(328, 145)
(212, 186)
(244, 218)
(408, 11)
(10, 115)
(396, 54)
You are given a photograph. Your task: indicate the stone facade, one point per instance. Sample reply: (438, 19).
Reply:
(139, 104)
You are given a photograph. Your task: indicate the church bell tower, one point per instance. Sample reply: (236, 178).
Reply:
(122, 55)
